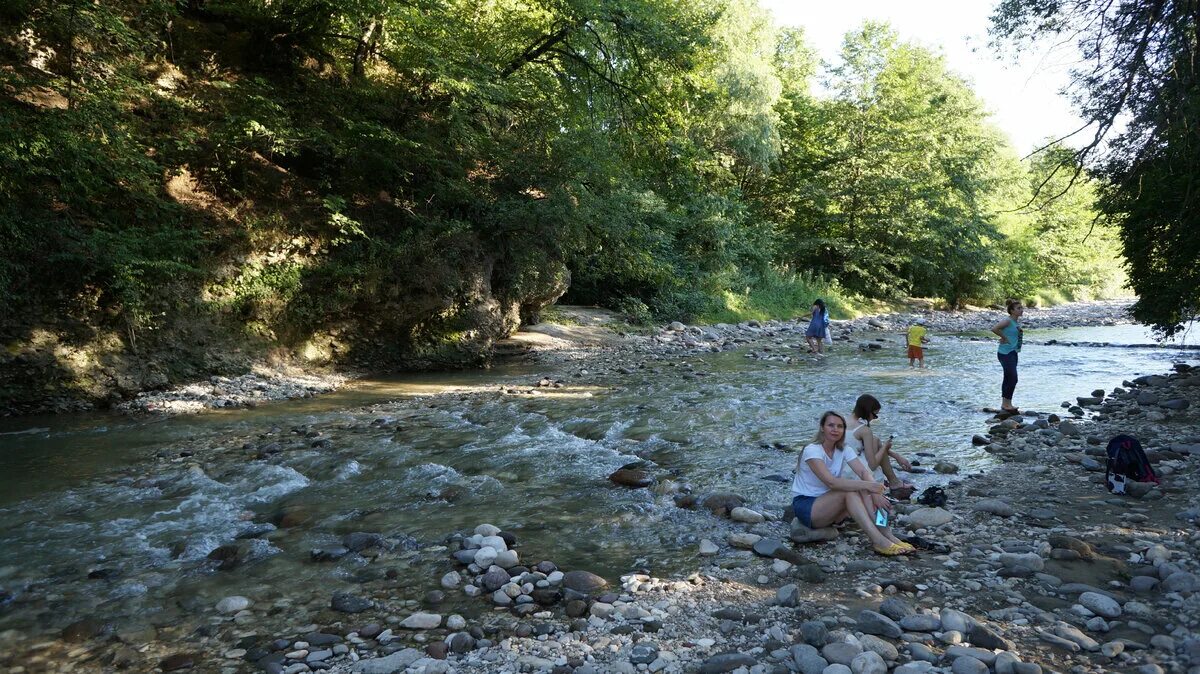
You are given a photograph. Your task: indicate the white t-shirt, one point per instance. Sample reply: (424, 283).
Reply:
(806, 482)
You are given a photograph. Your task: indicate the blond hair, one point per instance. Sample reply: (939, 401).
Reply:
(820, 439)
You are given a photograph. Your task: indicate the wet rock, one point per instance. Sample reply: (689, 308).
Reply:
(228, 557)
(722, 504)
(233, 604)
(330, 553)
(178, 661)
(82, 630)
(359, 541)
(631, 477)
(348, 603)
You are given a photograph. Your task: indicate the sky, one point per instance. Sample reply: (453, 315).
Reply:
(1023, 96)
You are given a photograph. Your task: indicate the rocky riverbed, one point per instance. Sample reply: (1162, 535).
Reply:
(1035, 567)
(1044, 571)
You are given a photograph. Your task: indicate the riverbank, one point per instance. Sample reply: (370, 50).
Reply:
(595, 335)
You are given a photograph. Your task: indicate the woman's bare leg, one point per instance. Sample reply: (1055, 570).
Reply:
(865, 499)
(888, 472)
(834, 504)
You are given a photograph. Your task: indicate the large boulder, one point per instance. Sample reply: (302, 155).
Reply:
(583, 582)
(926, 518)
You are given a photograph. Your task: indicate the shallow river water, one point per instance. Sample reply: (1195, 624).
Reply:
(93, 524)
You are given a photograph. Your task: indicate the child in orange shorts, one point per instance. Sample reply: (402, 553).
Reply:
(916, 337)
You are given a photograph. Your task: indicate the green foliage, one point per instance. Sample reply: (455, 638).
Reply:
(1138, 85)
(396, 171)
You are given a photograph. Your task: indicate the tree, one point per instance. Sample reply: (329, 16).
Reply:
(1140, 65)
(886, 184)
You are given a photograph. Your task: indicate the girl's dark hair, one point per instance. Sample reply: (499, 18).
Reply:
(821, 429)
(1009, 305)
(867, 408)
(821, 303)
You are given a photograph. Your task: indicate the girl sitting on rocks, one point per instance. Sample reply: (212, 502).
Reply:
(820, 499)
(876, 455)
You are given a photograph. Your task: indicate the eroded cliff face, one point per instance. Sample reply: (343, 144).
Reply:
(444, 311)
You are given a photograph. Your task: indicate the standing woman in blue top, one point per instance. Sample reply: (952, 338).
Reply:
(815, 334)
(1010, 333)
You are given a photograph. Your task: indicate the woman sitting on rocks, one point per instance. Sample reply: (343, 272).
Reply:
(820, 499)
(876, 455)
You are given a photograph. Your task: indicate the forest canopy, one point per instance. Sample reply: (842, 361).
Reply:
(378, 167)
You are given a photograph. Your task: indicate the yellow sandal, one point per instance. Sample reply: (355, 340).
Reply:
(893, 550)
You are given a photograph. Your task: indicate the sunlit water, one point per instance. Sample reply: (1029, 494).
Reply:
(83, 493)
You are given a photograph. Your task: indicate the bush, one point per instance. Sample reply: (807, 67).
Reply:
(634, 311)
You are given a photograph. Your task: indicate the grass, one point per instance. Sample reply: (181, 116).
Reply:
(785, 296)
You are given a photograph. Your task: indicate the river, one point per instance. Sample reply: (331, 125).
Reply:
(102, 517)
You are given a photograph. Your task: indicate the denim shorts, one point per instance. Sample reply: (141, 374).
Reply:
(802, 508)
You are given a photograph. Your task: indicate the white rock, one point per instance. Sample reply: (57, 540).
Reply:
(422, 621)
(493, 542)
(1100, 604)
(230, 605)
(485, 557)
(707, 547)
(451, 580)
(456, 622)
(744, 540)
(602, 610)
(506, 559)
(486, 530)
(924, 518)
(746, 515)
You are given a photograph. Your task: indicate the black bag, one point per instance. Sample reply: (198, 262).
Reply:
(1127, 461)
(934, 497)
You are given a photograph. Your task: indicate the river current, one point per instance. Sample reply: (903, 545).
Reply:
(101, 516)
